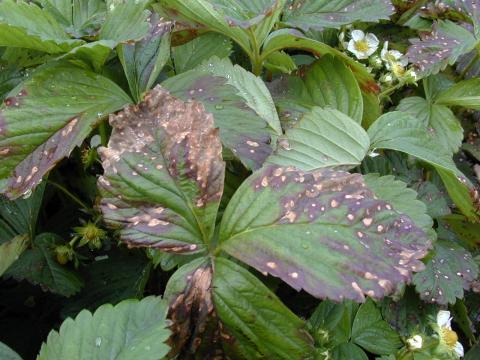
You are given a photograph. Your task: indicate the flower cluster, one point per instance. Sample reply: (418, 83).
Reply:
(391, 65)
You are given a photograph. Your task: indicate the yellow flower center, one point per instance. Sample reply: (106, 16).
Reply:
(361, 46)
(449, 337)
(398, 69)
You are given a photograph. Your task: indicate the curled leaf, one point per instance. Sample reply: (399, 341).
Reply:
(164, 173)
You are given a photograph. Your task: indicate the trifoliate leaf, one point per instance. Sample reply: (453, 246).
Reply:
(322, 231)
(164, 173)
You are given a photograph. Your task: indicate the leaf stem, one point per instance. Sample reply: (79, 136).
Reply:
(103, 131)
(255, 58)
(70, 195)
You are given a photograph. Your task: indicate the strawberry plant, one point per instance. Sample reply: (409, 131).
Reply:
(216, 179)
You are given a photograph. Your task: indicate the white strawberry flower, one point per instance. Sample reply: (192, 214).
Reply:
(394, 60)
(448, 337)
(362, 45)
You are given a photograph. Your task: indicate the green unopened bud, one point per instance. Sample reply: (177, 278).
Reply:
(411, 77)
(386, 79)
(64, 254)
(375, 62)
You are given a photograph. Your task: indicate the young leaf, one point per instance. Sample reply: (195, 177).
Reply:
(402, 198)
(190, 55)
(240, 103)
(326, 83)
(52, 113)
(126, 22)
(28, 26)
(130, 330)
(291, 38)
(323, 232)
(372, 333)
(8, 354)
(10, 251)
(223, 299)
(464, 93)
(163, 174)
(320, 14)
(447, 274)
(348, 351)
(280, 62)
(143, 61)
(322, 138)
(39, 266)
(447, 42)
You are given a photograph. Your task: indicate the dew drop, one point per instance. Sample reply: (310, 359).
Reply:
(219, 107)
(98, 341)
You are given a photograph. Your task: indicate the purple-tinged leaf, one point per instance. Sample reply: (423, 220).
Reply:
(53, 112)
(322, 231)
(443, 46)
(163, 175)
(143, 61)
(321, 14)
(448, 272)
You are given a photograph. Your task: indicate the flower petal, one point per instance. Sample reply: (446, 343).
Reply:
(444, 320)
(384, 52)
(372, 40)
(458, 349)
(395, 54)
(358, 35)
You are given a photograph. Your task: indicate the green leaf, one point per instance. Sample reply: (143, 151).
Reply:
(126, 22)
(322, 138)
(372, 333)
(130, 330)
(10, 77)
(291, 38)
(8, 354)
(239, 20)
(39, 266)
(320, 14)
(240, 103)
(335, 318)
(443, 124)
(11, 250)
(323, 232)
(79, 17)
(326, 83)
(447, 42)
(435, 199)
(280, 61)
(460, 191)
(105, 284)
(143, 61)
(193, 53)
(448, 272)
(163, 174)
(467, 232)
(404, 199)
(464, 93)
(250, 311)
(66, 102)
(402, 132)
(28, 26)
(348, 351)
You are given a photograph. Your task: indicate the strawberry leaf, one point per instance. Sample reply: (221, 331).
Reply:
(163, 175)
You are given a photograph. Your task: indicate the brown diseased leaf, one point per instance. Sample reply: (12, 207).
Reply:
(164, 173)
